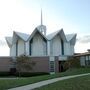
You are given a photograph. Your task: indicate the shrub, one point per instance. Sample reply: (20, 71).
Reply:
(72, 62)
(23, 63)
(23, 74)
(4, 74)
(30, 74)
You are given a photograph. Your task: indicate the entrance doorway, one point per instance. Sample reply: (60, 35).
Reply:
(61, 66)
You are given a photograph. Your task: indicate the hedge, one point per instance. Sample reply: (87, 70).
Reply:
(22, 74)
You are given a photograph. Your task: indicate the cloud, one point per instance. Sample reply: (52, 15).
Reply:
(84, 39)
(4, 49)
(2, 42)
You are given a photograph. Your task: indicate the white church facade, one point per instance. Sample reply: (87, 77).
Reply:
(39, 44)
(48, 51)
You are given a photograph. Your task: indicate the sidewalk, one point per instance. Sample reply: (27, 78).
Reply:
(46, 82)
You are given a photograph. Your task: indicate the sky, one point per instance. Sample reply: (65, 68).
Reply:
(24, 15)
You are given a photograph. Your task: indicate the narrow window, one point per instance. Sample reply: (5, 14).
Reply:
(62, 47)
(30, 46)
(17, 48)
(87, 61)
(45, 46)
(51, 47)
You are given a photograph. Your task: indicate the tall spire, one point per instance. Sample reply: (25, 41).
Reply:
(41, 18)
(42, 28)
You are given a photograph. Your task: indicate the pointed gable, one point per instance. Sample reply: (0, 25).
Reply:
(20, 35)
(34, 32)
(23, 36)
(71, 38)
(60, 32)
(9, 41)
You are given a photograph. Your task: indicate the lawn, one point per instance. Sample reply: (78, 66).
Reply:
(10, 83)
(78, 83)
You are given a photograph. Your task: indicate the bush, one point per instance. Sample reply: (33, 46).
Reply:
(30, 74)
(24, 64)
(4, 74)
(23, 74)
(72, 62)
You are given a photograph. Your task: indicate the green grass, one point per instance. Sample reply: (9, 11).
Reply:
(5, 83)
(78, 83)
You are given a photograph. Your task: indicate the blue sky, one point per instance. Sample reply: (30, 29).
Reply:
(24, 15)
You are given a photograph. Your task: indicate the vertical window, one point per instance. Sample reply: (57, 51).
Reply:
(51, 47)
(89, 57)
(87, 60)
(62, 47)
(17, 48)
(30, 46)
(86, 57)
(82, 61)
(45, 46)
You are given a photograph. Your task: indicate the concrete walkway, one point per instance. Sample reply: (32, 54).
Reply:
(46, 82)
(1, 78)
(8, 78)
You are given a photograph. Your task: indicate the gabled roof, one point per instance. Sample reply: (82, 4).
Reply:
(23, 36)
(52, 35)
(34, 32)
(9, 41)
(71, 38)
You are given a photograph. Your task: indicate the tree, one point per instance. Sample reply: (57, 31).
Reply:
(23, 64)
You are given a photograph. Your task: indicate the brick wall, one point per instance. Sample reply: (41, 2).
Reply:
(42, 64)
(5, 63)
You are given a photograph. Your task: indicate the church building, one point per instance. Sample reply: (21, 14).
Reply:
(54, 48)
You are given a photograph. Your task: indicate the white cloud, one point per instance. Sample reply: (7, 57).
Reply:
(83, 43)
(2, 43)
(84, 39)
(4, 50)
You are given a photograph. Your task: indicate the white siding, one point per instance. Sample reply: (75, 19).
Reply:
(13, 50)
(72, 49)
(86, 57)
(56, 46)
(21, 47)
(82, 60)
(48, 48)
(27, 48)
(37, 46)
(67, 48)
(62, 58)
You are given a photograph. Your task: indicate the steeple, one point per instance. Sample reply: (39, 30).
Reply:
(41, 18)
(42, 28)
